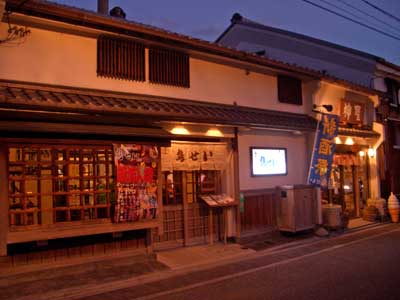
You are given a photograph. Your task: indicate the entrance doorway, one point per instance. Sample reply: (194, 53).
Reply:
(185, 215)
(349, 184)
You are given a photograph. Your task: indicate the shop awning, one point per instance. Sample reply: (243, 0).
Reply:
(47, 98)
(85, 129)
(358, 132)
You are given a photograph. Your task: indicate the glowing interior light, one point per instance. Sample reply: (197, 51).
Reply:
(371, 152)
(346, 187)
(214, 132)
(349, 141)
(338, 140)
(179, 130)
(361, 153)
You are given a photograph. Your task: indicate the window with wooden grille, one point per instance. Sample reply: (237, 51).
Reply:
(393, 91)
(172, 188)
(289, 90)
(120, 59)
(169, 67)
(50, 184)
(197, 183)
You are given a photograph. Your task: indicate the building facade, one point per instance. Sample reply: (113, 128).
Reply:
(112, 133)
(115, 134)
(387, 78)
(355, 172)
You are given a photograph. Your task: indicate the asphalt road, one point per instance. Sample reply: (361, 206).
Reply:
(355, 266)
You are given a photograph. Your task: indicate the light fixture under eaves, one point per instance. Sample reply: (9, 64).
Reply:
(214, 132)
(371, 152)
(349, 141)
(180, 130)
(338, 141)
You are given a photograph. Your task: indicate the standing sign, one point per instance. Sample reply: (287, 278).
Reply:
(136, 182)
(324, 148)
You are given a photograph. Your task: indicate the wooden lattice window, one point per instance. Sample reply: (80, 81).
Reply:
(120, 59)
(172, 188)
(169, 67)
(289, 90)
(202, 182)
(50, 184)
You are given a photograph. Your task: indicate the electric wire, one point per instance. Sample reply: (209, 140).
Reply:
(381, 10)
(348, 12)
(352, 20)
(368, 15)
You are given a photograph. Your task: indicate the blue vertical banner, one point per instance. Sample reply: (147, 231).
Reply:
(324, 148)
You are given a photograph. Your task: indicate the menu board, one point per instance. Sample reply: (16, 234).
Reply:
(136, 182)
(218, 200)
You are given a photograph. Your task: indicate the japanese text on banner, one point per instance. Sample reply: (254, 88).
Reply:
(324, 148)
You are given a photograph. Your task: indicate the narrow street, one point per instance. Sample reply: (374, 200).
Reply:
(362, 265)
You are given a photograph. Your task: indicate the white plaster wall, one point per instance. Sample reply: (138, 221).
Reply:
(297, 158)
(70, 60)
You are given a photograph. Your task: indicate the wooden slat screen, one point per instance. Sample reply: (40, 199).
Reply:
(120, 59)
(169, 67)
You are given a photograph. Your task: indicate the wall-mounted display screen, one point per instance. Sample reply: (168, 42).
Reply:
(268, 161)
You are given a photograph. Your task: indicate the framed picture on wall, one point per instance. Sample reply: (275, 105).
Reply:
(266, 161)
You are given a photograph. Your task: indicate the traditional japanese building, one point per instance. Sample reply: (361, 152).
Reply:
(115, 133)
(355, 173)
(387, 80)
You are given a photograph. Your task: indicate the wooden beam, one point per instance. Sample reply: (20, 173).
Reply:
(185, 210)
(3, 199)
(235, 147)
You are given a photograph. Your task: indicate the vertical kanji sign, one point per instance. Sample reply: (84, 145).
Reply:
(352, 112)
(324, 148)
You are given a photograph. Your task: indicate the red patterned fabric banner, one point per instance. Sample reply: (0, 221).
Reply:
(136, 182)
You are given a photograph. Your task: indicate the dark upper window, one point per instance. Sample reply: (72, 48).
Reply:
(120, 59)
(169, 67)
(289, 90)
(393, 89)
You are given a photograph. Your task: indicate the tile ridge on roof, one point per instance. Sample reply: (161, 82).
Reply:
(226, 51)
(239, 19)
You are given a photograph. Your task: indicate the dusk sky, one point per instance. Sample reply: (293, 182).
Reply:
(207, 19)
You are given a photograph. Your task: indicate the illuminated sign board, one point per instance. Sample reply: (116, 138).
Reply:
(268, 161)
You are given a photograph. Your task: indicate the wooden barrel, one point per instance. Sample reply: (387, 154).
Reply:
(331, 215)
(370, 213)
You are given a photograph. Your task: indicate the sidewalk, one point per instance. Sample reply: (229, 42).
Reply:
(121, 272)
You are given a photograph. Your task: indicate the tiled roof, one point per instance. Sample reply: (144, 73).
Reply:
(19, 95)
(64, 13)
(358, 132)
(238, 19)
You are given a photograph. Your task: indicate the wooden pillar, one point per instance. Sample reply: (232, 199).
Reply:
(235, 148)
(210, 225)
(185, 206)
(3, 200)
(160, 212)
(149, 240)
(2, 8)
(356, 191)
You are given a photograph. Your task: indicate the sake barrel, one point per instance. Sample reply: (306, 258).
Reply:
(393, 206)
(370, 213)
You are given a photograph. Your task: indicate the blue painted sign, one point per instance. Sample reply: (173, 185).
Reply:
(324, 148)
